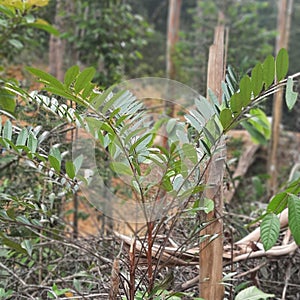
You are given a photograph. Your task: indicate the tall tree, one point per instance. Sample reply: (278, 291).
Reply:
(57, 45)
(172, 39)
(172, 35)
(283, 29)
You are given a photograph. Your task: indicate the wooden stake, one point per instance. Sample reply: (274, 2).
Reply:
(211, 252)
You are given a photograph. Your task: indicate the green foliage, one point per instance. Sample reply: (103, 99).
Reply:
(128, 136)
(162, 294)
(7, 99)
(282, 64)
(268, 67)
(16, 19)
(122, 107)
(106, 35)
(5, 294)
(290, 96)
(118, 122)
(269, 228)
(258, 126)
(270, 224)
(294, 215)
(55, 291)
(253, 293)
(239, 102)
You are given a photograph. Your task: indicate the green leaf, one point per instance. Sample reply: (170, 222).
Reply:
(141, 143)
(63, 93)
(205, 147)
(225, 91)
(121, 168)
(7, 130)
(12, 145)
(166, 184)
(27, 245)
(108, 128)
(236, 104)
(209, 205)
(93, 124)
(245, 90)
(44, 26)
(226, 118)
(212, 97)
(109, 104)
(8, 12)
(23, 219)
(278, 203)
(7, 100)
(77, 163)
(55, 159)
(12, 244)
(54, 163)
(71, 75)
(270, 227)
(87, 92)
(205, 106)
(257, 79)
(282, 64)
(57, 291)
(22, 137)
(268, 71)
(29, 19)
(84, 78)
(190, 152)
(98, 100)
(260, 124)
(252, 293)
(257, 136)
(171, 125)
(70, 169)
(194, 122)
(294, 216)
(32, 143)
(39, 3)
(46, 78)
(56, 153)
(16, 43)
(290, 96)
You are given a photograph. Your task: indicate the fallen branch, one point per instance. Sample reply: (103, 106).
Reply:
(244, 163)
(170, 255)
(273, 252)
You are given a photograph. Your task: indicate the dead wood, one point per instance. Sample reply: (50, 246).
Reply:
(244, 163)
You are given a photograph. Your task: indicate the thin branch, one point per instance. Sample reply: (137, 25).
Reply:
(13, 274)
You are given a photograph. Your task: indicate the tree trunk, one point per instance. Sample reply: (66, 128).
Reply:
(172, 36)
(211, 252)
(57, 45)
(172, 39)
(283, 28)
